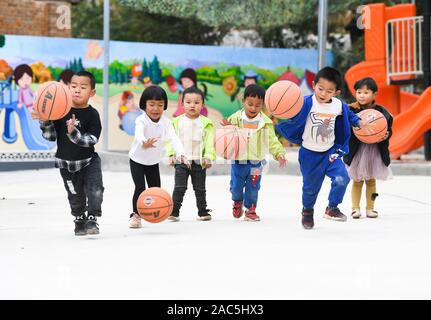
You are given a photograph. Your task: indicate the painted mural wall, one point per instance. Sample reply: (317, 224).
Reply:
(221, 72)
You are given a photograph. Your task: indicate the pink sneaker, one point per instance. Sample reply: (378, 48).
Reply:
(135, 221)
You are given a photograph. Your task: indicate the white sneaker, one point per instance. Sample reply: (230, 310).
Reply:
(174, 219)
(372, 214)
(204, 218)
(135, 221)
(356, 213)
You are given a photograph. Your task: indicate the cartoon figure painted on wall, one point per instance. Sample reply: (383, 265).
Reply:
(66, 76)
(250, 77)
(188, 79)
(127, 104)
(23, 77)
(128, 111)
(136, 74)
(147, 82)
(20, 102)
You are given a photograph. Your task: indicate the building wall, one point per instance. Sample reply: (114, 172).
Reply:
(33, 17)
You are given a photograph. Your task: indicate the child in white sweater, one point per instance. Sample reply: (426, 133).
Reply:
(151, 131)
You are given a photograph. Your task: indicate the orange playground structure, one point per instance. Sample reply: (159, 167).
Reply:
(393, 57)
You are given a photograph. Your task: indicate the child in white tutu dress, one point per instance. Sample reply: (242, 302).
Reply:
(367, 162)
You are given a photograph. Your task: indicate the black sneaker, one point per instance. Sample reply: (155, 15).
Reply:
(205, 216)
(80, 229)
(91, 225)
(334, 214)
(307, 218)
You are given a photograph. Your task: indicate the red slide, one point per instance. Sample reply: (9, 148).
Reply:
(410, 126)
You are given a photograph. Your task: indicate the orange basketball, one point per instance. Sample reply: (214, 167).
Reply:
(284, 99)
(377, 129)
(154, 205)
(230, 142)
(53, 100)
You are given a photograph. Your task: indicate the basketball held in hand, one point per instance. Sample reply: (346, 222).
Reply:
(376, 129)
(230, 142)
(53, 100)
(284, 99)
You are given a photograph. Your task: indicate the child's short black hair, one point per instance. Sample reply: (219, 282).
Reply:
(153, 93)
(194, 90)
(330, 74)
(66, 76)
(20, 70)
(368, 82)
(89, 75)
(255, 91)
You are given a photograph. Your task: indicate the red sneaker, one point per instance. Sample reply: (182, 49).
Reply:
(334, 214)
(250, 214)
(237, 209)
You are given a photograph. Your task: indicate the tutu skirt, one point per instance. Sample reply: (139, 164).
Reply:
(367, 164)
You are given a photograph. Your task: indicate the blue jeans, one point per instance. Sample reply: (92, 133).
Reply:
(245, 182)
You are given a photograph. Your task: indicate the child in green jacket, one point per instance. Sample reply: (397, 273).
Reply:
(196, 133)
(246, 171)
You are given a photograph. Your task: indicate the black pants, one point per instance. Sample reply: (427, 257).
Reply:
(140, 173)
(198, 175)
(85, 188)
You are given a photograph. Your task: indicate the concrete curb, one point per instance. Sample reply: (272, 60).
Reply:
(117, 161)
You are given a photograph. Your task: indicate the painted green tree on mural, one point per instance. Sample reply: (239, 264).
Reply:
(118, 72)
(2, 40)
(145, 69)
(155, 71)
(75, 65)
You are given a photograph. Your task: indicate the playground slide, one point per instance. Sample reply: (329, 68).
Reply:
(410, 126)
(388, 95)
(30, 130)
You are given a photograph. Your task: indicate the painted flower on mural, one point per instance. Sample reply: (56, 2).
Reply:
(230, 86)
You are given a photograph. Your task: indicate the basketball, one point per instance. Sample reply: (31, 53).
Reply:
(230, 142)
(53, 100)
(284, 99)
(377, 129)
(155, 205)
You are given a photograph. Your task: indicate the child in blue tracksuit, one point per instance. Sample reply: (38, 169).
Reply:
(323, 129)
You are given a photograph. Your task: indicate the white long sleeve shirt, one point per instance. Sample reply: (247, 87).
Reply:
(146, 129)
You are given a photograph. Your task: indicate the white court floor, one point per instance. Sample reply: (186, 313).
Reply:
(385, 258)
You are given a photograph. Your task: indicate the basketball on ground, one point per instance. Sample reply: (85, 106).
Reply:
(155, 205)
